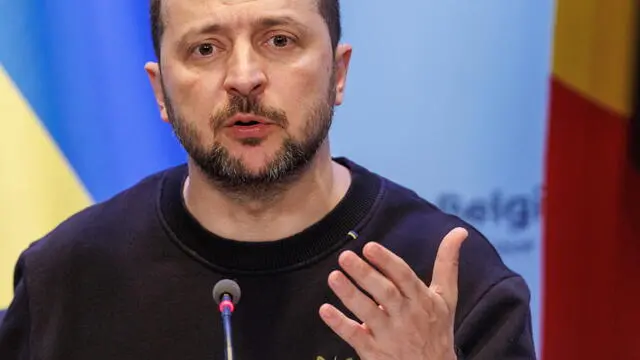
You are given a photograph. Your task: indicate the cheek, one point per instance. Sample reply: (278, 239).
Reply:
(195, 95)
(300, 88)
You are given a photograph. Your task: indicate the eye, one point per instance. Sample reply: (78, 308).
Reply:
(280, 41)
(206, 49)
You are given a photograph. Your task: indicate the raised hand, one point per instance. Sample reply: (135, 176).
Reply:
(406, 320)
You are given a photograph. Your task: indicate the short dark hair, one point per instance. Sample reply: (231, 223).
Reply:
(329, 9)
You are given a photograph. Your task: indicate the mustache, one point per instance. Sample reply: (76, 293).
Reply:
(246, 105)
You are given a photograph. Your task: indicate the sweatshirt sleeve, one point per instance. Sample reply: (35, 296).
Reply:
(15, 327)
(499, 325)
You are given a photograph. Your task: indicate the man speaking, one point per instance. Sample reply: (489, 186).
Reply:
(331, 260)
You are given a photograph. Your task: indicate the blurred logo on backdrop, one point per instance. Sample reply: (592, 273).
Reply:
(511, 220)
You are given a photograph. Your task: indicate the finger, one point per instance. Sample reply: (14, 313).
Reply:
(373, 282)
(394, 268)
(356, 335)
(358, 303)
(445, 270)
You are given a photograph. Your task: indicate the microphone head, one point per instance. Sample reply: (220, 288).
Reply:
(226, 286)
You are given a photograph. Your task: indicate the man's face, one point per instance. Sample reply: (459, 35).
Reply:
(248, 85)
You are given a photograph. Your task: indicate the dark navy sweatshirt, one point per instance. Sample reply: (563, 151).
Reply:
(132, 278)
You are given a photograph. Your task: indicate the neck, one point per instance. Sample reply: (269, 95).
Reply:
(299, 205)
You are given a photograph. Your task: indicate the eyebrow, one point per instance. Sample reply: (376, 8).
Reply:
(205, 29)
(264, 22)
(272, 21)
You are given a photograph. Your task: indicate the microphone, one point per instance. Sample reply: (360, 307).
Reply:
(226, 293)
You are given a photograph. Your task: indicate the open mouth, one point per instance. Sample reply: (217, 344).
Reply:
(247, 123)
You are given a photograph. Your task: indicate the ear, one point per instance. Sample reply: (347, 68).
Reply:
(155, 78)
(343, 56)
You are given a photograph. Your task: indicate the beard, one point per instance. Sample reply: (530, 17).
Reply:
(229, 173)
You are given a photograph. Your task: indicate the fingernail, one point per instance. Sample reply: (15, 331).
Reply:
(326, 313)
(461, 231)
(346, 258)
(374, 248)
(336, 279)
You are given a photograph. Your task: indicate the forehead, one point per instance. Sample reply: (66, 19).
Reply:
(183, 13)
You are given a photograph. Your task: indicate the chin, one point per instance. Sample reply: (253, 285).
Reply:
(255, 159)
(254, 166)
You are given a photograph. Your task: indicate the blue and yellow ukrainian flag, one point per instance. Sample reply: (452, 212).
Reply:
(77, 114)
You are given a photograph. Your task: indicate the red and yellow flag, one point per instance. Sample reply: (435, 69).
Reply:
(592, 202)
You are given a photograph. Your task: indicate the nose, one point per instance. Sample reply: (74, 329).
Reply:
(245, 73)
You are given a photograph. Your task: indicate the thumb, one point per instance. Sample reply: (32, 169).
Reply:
(445, 270)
